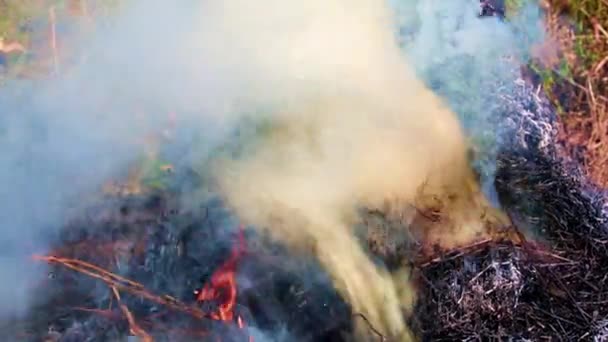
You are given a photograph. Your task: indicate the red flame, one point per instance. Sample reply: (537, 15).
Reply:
(222, 287)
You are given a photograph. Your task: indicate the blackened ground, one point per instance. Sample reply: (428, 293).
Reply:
(482, 293)
(550, 290)
(172, 252)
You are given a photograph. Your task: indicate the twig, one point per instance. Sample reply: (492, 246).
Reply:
(599, 27)
(591, 93)
(569, 294)
(124, 284)
(600, 65)
(553, 255)
(371, 326)
(134, 328)
(461, 251)
(559, 318)
(572, 82)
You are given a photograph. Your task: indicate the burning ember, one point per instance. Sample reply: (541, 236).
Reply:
(222, 288)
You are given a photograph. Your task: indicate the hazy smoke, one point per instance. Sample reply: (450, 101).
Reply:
(468, 61)
(352, 125)
(62, 137)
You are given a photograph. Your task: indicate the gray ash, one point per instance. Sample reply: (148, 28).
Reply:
(526, 291)
(481, 293)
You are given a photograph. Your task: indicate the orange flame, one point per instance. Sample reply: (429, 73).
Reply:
(222, 287)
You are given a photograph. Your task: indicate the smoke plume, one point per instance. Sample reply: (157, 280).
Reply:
(62, 137)
(467, 60)
(351, 125)
(354, 126)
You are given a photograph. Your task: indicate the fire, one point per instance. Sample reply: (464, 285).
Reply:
(220, 291)
(221, 288)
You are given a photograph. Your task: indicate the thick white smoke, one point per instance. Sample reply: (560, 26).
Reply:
(353, 123)
(354, 127)
(467, 60)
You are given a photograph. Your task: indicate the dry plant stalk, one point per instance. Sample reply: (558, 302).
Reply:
(134, 328)
(120, 283)
(581, 88)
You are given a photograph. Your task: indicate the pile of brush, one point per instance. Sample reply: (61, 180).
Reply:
(551, 281)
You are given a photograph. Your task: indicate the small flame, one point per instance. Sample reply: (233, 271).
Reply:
(222, 287)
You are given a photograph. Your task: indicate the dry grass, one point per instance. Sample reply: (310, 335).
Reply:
(573, 68)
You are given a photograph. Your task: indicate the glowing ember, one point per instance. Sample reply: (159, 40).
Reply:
(221, 288)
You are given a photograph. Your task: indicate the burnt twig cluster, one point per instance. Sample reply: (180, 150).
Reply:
(555, 288)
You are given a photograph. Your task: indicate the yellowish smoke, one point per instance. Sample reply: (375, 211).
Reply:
(354, 127)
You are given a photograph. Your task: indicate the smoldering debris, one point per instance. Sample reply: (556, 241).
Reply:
(174, 266)
(158, 264)
(508, 286)
(549, 281)
(503, 290)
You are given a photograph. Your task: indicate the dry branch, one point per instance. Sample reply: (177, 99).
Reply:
(118, 282)
(134, 328)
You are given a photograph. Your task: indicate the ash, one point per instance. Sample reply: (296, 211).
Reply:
(549, 283)
(482, 293)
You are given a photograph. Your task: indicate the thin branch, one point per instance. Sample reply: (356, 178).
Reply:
(371, 326)
(134, 328)
(124, 284)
